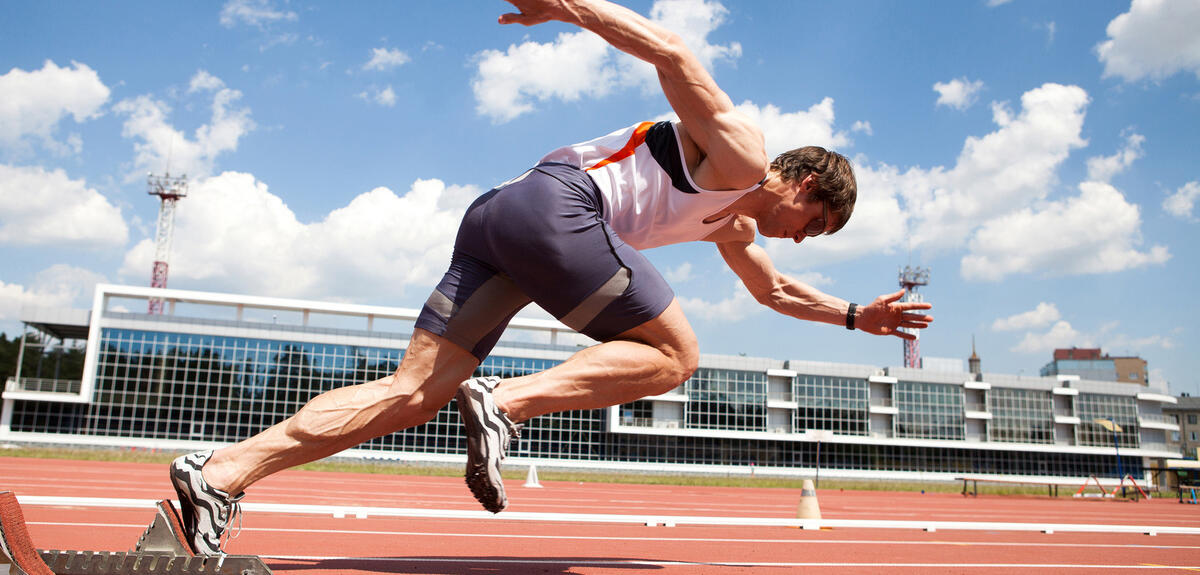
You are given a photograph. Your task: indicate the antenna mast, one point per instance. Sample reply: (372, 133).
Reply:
(169, 189)
(911, 278)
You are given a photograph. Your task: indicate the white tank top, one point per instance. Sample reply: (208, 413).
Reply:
(650, 199)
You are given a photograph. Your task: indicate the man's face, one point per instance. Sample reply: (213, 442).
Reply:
(795, 216)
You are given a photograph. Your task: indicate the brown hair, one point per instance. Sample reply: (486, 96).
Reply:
(836, 185)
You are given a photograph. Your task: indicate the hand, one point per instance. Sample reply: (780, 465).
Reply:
(531, 12)
(887, 314)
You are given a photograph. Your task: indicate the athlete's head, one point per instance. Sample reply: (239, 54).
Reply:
(833, 176)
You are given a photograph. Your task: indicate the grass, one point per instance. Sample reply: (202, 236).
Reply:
(335, 465)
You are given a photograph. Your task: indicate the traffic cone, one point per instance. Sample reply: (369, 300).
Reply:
(808, 502)
(531, 479)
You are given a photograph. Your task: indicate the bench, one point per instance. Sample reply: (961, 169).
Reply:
(1051, 487)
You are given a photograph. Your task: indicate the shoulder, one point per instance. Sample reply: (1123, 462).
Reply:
(729, 152)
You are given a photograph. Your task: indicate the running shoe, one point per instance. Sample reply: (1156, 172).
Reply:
(489, 433)
(207, 511)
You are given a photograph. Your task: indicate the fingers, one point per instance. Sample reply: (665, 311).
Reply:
(903, 335)
(513, 18)
(892, 297)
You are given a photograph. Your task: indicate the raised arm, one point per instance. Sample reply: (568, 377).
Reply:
(792, 297)
(730, 143)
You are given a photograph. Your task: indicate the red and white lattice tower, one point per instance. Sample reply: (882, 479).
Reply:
(912, 278)
(169, 189)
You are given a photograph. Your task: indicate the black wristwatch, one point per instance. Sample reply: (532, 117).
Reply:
(850, 316)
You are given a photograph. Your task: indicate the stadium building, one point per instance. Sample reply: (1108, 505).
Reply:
(215, 368)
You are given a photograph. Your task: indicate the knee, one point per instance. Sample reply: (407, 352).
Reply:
(681, 361)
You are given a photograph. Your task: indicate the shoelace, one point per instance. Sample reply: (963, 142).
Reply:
(235, 511)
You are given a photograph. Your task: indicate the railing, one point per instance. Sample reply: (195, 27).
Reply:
(881, 402)
(649, 422)
(1155, 418)
(883, 434)
(779, 395)
(975, 407)
(1064, 412)
(43, 385)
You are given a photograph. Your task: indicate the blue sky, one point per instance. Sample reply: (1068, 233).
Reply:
(1040, 157)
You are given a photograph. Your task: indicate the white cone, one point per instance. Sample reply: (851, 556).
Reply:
(808, 502)
(531, 479)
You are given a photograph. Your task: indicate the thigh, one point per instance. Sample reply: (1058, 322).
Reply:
(547, 234)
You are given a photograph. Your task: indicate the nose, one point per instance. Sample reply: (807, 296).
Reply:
(798, 238)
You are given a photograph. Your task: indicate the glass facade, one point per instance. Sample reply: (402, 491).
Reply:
(726, 399)
(1020, 415)
(1120, 409)
(836, 404)
(929, 410)
(211, 388)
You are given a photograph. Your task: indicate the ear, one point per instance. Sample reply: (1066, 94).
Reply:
(809, 184)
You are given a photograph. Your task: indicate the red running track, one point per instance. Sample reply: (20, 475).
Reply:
(315, 545)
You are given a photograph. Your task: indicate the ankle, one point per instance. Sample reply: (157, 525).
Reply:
(501, 400)
(216, 475)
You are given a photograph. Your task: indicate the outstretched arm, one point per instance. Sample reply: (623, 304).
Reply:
(792, 297)
(732, 145)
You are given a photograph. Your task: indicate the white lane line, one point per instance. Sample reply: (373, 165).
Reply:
(645, 519)
(631, 562)
(857, 542)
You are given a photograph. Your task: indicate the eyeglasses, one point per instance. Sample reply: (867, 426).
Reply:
(817, 227)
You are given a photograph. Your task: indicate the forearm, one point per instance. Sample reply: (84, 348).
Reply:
(802, 301)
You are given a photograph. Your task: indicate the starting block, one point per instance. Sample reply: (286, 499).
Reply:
(161, 550)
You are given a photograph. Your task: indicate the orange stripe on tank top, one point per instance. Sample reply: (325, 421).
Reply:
(638, 137)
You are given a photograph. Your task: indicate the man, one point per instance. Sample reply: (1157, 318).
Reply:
(566, 235)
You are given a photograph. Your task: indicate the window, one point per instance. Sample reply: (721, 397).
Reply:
(1192, 419)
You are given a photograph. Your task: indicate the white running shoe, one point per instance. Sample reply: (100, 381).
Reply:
(207, 511)
(489, 433)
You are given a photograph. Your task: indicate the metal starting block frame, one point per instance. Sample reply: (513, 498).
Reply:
(161, 550)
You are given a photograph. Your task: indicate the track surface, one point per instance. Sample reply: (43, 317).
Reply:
(316, 545)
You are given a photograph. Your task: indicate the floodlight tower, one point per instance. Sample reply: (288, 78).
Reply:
(912, 278)
(169, 189)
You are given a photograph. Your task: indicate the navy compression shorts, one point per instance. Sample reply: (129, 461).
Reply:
(541, 237)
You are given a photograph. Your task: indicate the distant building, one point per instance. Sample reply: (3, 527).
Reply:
(1093, 364)
(974, 364)
(217, 368)
(1187, 415)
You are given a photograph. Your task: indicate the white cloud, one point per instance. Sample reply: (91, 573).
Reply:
(994, 3)
(731, 309)
(508, 83)
(163, 147)
(785, 131)
(998, 173)
(1061, 335)
(1181, 203)
(254, 13)
(383, 59)
(202, 81)
(679, 274)
(232, 233)
(959, 93)
(862, 126)
(32, 104)
(57, 286)
(1044, 314)
(1155, 39)
(580, 64)
(38, 207)
(1097, 231)
(1103, 168)
(385, 97)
